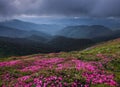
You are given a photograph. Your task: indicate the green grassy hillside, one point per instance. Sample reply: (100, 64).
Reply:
(97, 66)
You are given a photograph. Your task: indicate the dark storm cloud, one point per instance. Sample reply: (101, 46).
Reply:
(6, 8)
(107, 8)
(67, 7)
(102, 8)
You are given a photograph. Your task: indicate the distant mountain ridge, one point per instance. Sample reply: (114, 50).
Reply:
(84, 31)
(29, 26)
(16, 33)
(11, 32)
(107, 22)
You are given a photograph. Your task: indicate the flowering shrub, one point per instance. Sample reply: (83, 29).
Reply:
(95, 67)
(56, 72)
(9, 63)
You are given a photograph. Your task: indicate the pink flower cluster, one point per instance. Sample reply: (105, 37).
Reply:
(31, 68)
(7, 77)
(65, 65)
(23, 78)
(9, 63)
(42, 64)
(84, 65)
(52, 81)
(104, 58)
(93, 72)
(99, 78)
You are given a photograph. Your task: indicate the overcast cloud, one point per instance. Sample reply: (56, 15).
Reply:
(92, 8)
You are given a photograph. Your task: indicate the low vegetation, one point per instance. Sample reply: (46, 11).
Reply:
(98, 66)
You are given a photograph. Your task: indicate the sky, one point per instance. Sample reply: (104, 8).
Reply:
(59, 8)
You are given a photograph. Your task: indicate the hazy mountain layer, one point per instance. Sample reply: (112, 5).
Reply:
(84, 31)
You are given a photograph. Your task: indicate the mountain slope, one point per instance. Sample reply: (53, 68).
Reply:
(113, 35)
(70, 44)
(39, 44)
(11, 32)
(22, 46)
(97, 66)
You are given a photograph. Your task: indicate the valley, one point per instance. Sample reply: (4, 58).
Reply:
(25, 38)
